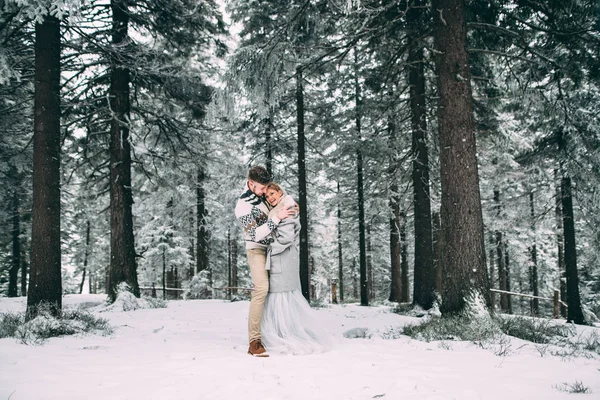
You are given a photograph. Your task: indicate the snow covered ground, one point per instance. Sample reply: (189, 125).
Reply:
(197, 350)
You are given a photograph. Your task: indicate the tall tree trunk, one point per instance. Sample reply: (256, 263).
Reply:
(201, 231)
(23, 267)
(369, 262)
(405, 292)
(269, 130)
(354, 279)
(561, 247)
(13, 272)
(85, 255)
(192, 249)
(500, 255)
(507, 270)
(533, 270)
(396, 273)
(424, 272)
(464, 260)
(45, 284)
(302, 195)
(340, 248)
(364, 284)
(574, 311)
(437, 247)
(123, 267)
(234, 263)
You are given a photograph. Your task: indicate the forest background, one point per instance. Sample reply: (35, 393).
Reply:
(128, 129)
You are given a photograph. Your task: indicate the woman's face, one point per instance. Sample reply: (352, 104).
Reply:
(273, 196)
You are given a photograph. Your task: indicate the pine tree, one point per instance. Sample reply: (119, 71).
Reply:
(462, 224)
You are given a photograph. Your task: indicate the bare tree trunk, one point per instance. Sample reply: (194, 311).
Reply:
(355, 279)
(45, 284)
(13, 272)
(424, 270)
(533, 270)
(234, 263)
(123, 267)
(302, 195)
(364, 283)
(464, 258)
(500, 255)
(201, 231)
(24, 267)
(405, 293)
(340, 248)
(269, 129)
(85, 255)
(394, 204)
(369, 263)
(507, 269)
(437, 247)
(561, 248)
(574, 311)
(192, 248)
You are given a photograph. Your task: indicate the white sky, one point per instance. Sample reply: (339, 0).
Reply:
(197, 350)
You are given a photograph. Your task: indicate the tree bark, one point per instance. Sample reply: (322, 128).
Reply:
(502, 276)
(405, 293)
(364, 283)
(45, 284)
(574, 311)
(85, 255)
(507, 270)
(533, 271)
(369, 262)
(13, 272)
(202, 251)
(234, 262)
(123, 267)
(23, 267)
(340, 248)
(437, 247)
(560, 248)
(461, 217)
(424, 271)
(394, 204)
(302, 195)
(269, 129)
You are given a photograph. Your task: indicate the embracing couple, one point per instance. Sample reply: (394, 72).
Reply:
(280, 317)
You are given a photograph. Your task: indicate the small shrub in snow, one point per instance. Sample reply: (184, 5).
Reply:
(536, 330)
(9, 323)
(126, 301)
(199, 287)
(576, 387)
(45, 325)
(475, 325)
(357, 333)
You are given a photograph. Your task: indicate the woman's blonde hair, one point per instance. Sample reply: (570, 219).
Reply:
(273, 185)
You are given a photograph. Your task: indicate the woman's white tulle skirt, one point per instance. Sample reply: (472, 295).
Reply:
(289, 327)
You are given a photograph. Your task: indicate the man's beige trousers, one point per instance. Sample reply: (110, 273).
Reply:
(260, 280)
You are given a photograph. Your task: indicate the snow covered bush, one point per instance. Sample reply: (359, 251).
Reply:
(474, 324)
(199, 287)
(126, 301)
(45, 325)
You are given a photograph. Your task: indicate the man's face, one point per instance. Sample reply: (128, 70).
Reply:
(256, 188)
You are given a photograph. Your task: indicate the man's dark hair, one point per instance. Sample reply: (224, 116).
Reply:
(259, 174)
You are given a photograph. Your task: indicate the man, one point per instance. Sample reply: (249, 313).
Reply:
(253, 213)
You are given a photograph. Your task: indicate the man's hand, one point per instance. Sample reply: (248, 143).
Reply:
(283, 213)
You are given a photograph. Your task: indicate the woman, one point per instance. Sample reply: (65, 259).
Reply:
(287, 323)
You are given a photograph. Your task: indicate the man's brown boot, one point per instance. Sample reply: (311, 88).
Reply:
(256, 349)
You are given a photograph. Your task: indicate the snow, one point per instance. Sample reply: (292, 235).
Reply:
(196, 349)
